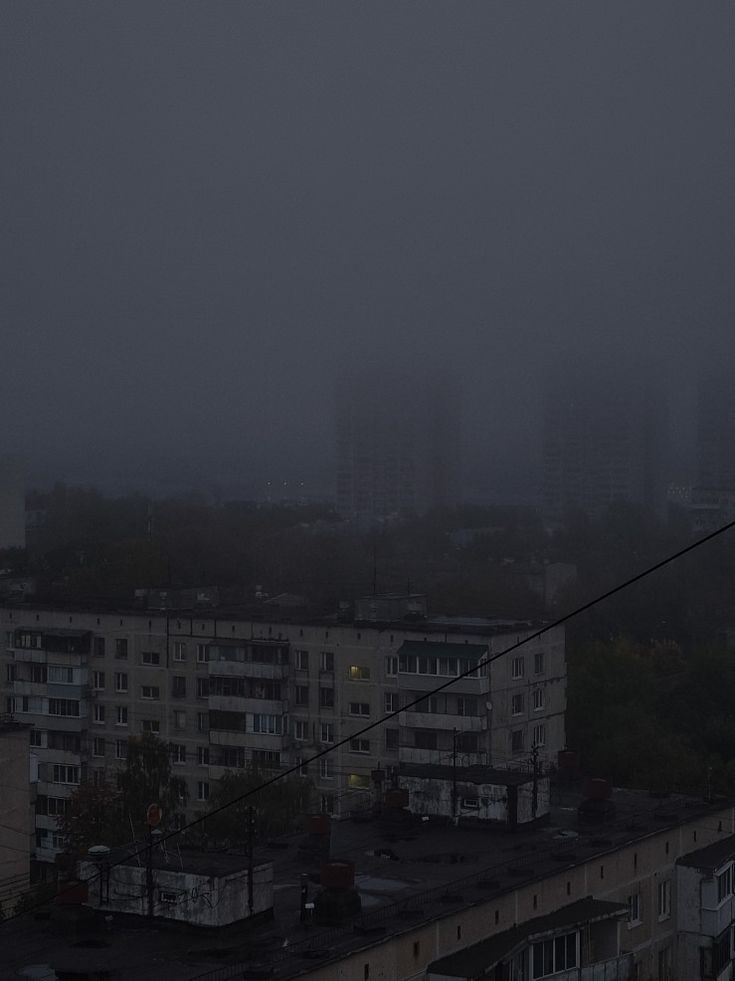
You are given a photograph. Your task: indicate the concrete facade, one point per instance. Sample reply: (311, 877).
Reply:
(227, 692)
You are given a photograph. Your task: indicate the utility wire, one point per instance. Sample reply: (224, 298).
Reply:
(627, 583)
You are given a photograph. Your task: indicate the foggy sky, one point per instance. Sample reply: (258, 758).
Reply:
(210, 208)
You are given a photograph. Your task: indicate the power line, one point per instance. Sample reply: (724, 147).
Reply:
(649, 570)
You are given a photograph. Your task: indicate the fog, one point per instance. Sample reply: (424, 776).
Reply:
(212, 210)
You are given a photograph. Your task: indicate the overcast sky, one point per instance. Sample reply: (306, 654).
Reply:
(208, 208)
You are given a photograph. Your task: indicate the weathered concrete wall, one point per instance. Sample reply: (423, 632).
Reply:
(208, 901)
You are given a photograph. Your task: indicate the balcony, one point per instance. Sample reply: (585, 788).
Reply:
(409, 754)
(435, 720)
(39, 688)
(256, 706)
(248, 669)
(419, 683)
(615, 969)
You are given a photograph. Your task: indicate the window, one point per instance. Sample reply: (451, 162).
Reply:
(121, 648)
(98, 746)
(122, 715)
(325, 768)
(99, 714)
(121, 681)
(65, 774)
(664, 899)
(179, 719)
(98, 646)
(179, 650)
(516, 705)
(391, 739)
(10, 673)
(424, 738)
(302, 660)
(391, 666)
(326, 697)
(98, 680)
(539, 735)
(326, 661)
(358, 781)
(359, 672)
(724, 885)
(36, 737)
(178, 686)
(150, 692)
(359, 745)
(203, 721)
(518, 668)
(202, 790)
(553, 956)
(63, 707)
(302, 694)
(359, 708)
(327, 732)
(516, 741)
(202, 687)
(634, 908)
(58, 675)
(202, 653)
(177, 752)
(151, 725)
(39, 674)
(538, 663)
(391, 701)
(150, 658)
(538, 699)
(203, 755)
(270, 724)
(300, 730)
(466, 706)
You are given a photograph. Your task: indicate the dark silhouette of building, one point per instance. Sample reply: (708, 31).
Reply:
(398, 444)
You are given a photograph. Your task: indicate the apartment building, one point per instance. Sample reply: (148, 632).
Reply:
(226, 692)
(17, 781)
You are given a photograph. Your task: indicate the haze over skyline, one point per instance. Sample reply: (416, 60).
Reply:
(209, 211)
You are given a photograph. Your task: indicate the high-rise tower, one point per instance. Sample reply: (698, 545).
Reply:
(398, 447)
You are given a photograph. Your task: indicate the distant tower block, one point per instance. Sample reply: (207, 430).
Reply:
(12, 503)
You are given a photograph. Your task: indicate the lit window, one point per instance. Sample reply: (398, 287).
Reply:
(358, 781)
(359, 672)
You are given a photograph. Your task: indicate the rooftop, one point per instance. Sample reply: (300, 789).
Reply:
(710, 857)
(413, 876)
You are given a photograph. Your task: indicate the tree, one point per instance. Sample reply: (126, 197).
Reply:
(147, 779)
(276, 808)
(107, 815)
(95, 817)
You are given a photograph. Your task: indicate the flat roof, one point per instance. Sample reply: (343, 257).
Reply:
(710, 857)
(474, 961)
(406, 878)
